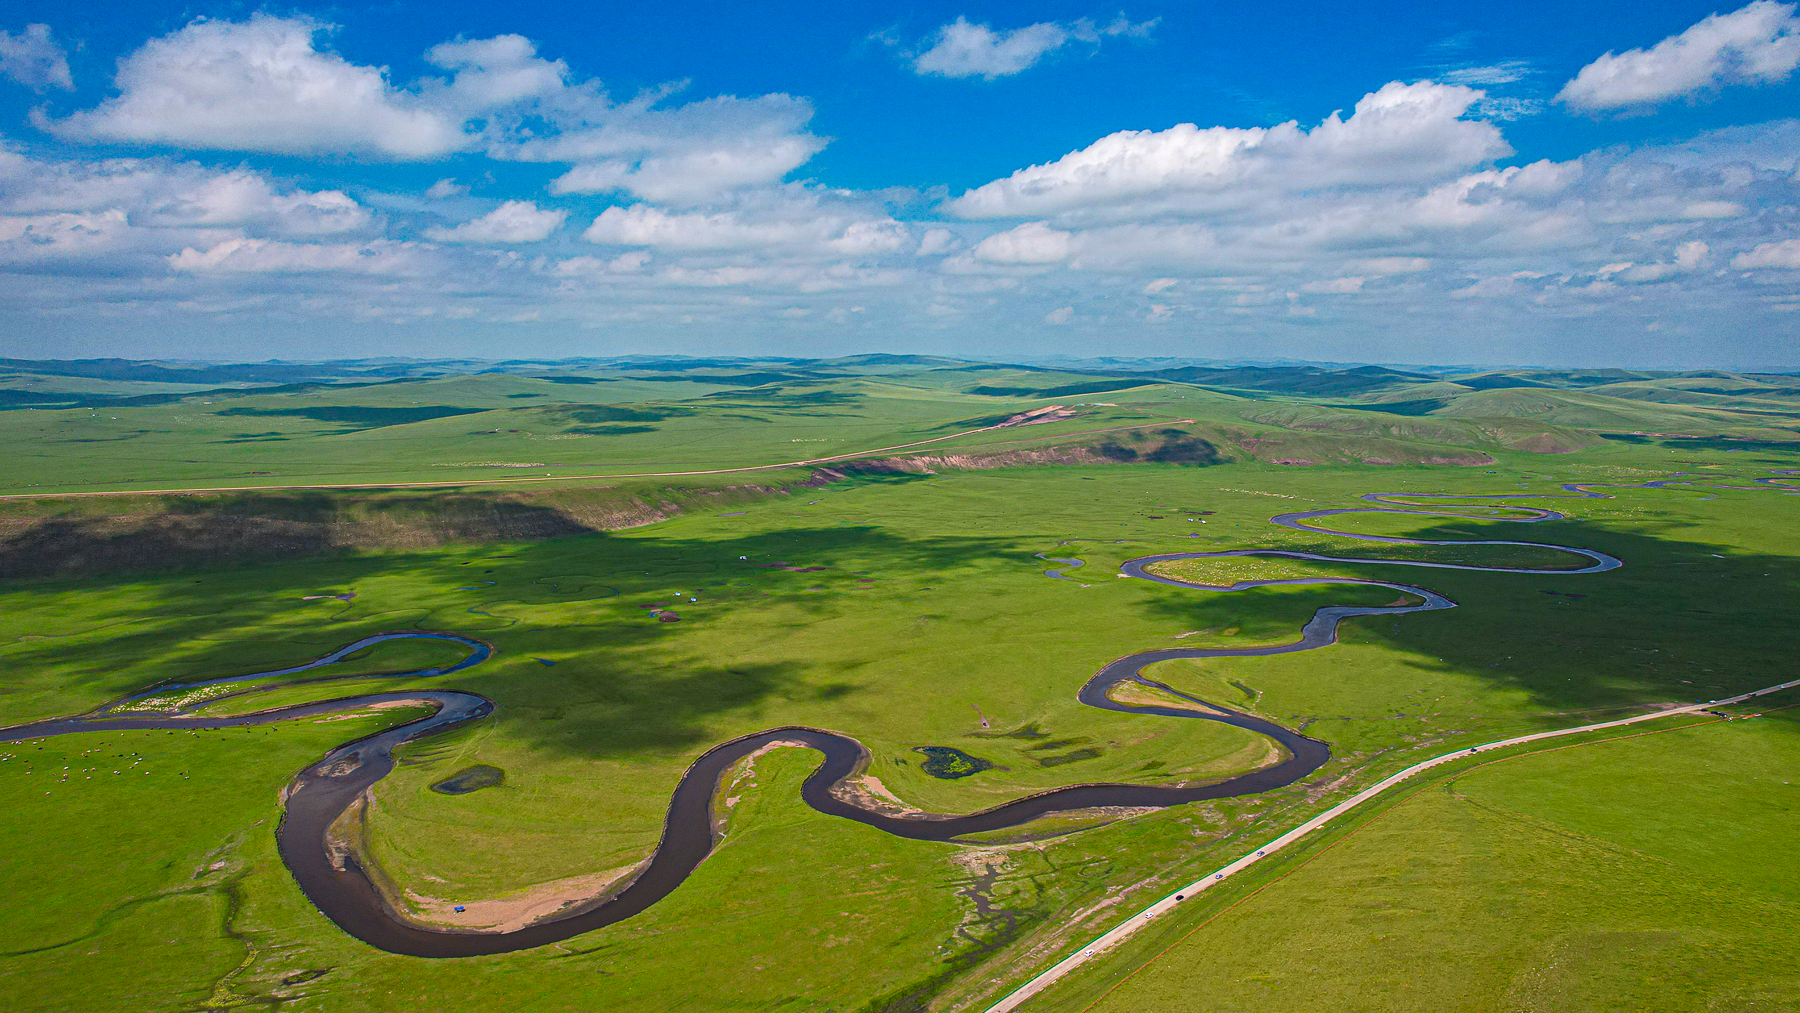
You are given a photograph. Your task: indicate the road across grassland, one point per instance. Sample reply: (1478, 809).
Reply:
(1130, 926)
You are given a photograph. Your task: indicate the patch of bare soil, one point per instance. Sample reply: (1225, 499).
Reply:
(1037, 416)
(516, 910)
(1164, 446)
(347, 838)
(742, 778)
(1139, 695)
(865, 791)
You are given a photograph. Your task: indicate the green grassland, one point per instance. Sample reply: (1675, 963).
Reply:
(389, 660)
(496, 427)
(1570, 879)
(127, 890)
(500, 426)
(591, 745)
(931, 623)
(1226, 571)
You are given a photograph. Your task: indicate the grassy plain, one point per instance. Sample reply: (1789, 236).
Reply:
(930, 624)
(132, 855)
(1223, 571)
(475, 429)
(1577, 878)
(385, 661)
(491, 427)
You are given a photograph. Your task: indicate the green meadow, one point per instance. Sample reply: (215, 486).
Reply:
(1630, 872)
(519, 424)
(905, 605)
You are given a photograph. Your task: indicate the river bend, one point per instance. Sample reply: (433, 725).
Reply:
(346, 894)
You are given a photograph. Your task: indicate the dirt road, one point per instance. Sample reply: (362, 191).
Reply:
(1166, 905)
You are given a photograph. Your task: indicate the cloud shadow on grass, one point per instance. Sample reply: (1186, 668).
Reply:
(625, 696)
(1643, 634)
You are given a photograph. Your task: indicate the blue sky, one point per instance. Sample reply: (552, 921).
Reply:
(1451, 183)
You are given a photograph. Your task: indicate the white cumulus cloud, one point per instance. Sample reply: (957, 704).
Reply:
(643, 225)
(798, 227)
(1391, 265)
(1333, 286)
(35, 59)
(1692, 256)
(1689, 257)
(1031, 243)
(624, 263)
(260, 85)
(966, 50)
(1397, 134)
(62, 236)
(516, 221)
(1756, 44)
(266, 256)
(685, 154)
(444, 188)
(937, 242)
(494, 73)
(264, 84)
(164, 194)
(1783, 255)
(961, 49)
(692, 175)
(249, 199)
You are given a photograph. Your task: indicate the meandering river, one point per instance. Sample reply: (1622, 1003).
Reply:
(345, 893)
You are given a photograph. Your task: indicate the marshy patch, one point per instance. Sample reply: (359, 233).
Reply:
(947, 763)
(470, 779)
